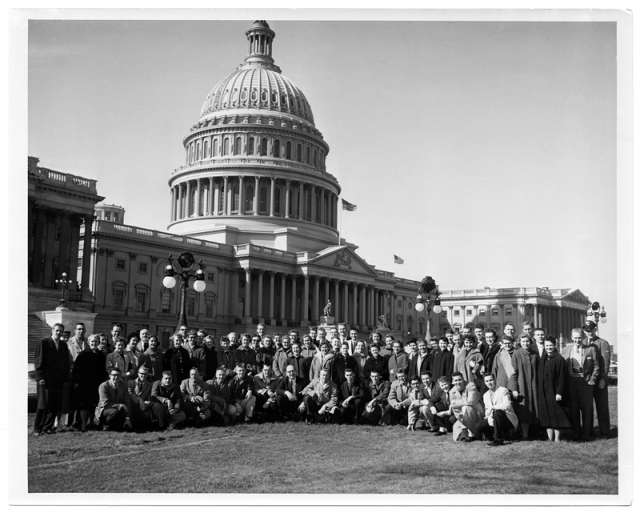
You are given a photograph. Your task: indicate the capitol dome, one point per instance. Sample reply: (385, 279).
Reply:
(255, 163)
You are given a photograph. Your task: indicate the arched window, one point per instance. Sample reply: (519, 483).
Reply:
(264, 95)
(248, 201)
(410, 323)
(276, 206)
(238, 146)
(276, 148)
(225, 147)
(274, 97)
(250, 148)
(243, 95)
(315, 158)
(288, 155)
(263, 198)
(421, 325)
(198, 151)
(308, 153)
(215, 147)
(263, 147)
(206, 149)
(299, 153)
(236, 198)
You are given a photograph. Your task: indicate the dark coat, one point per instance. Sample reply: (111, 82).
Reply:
(154, 363)
(525, 382)
(177, 361)
(248, 357)
(52, 365)
(442, 364)
(553, 378)
(226, 359)
(286, 385)
(489, 356)
(379, 364)
(425, 365)
(211, 359)
(88, 374)
(359, 390)
(341, 364)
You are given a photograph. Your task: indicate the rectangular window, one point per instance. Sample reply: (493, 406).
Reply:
(142, 267)
(508, 310)
(107, 216)
(209, 307)
(166, 302)
(120, 264)
(141, 300)
(495, 311)
(469, 312)
(191, 305)
(456, 313)
(210, 277)
(115, 217)
(118, 299)
(483, 313)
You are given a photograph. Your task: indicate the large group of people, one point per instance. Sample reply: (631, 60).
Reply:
(472, 383)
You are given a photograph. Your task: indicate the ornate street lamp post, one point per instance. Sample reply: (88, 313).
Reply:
(428, 297)
(186, 262)
(596, 313)
(64, 285)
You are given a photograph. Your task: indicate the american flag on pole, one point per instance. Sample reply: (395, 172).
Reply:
(348, 206)
(397, 260)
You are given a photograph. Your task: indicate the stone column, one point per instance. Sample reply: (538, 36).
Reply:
(272, 198)
(241, 195)
(188, 209)
(345, 302)
(287, 201)
(535, 315)
(293, 298)
(86, 258)
(256, 196)
(283, 296)
(260, 277)
(65, 244)
(173, 205)
(302, 214)
(212, 197)
(313, 218)
(315, 307)
(322, 209)
(305, 300)
(198, 204)
(392, 296)
(247, 295)
(272, 276)
(326, 293)
(36, 263)
(336, 298)
(216, 198)
(229, 195)
(131, 292)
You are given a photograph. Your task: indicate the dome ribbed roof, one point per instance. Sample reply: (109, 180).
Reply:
(256, 87)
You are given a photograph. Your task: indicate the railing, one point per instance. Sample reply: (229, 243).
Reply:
(75, 296)
(67, 181)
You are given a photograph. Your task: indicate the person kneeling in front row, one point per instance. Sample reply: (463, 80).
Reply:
(167, 402)
(114, 409)
(321, 399)
(195, 398)
(498, 412)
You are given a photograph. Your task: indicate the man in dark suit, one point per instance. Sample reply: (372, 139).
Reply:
(342, 362)
(288, 394)
(421, 362)
(52, 368)
(601, 390)
(439, 408)
(352, 396)
(140, 393)
(377, 392)
(584, 370)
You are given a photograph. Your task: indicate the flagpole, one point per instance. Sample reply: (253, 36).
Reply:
(339, 218)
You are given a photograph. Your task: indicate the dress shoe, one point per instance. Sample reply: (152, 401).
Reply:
(37, 433)
(439, 433)
(50, 432)
(496, 442)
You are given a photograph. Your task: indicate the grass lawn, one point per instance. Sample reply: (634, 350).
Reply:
(296, 458)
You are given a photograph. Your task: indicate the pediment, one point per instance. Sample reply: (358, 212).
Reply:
(577, 296)
(342, 258)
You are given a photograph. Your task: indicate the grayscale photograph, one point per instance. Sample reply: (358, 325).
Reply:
(365, 256)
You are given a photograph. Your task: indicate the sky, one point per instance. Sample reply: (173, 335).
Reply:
(482, 153)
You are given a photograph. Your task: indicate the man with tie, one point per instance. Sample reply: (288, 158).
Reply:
(397, 361)
(342, 362)
(288, 394)
(421, 361)
(298, 361)
(265, 386)
(439, 408)
(76, 344)
(194, 398)
(114, 409)
(418, 401)
(52, 367)
(584, 370)
(226, 358)
(498, 412)
(428, 387)
(219, 398)
(398, 403)
(321, 399)
(377, 393)
(538, 338)
(601, 390)
(352, 396)
(140, 394)
(196, 354)
(120, 360)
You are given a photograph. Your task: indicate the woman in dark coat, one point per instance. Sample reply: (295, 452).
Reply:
(176, 360)
(524, 384)
(553, 390)
(87, 376)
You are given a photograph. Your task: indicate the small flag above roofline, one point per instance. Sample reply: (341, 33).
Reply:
(348, 206)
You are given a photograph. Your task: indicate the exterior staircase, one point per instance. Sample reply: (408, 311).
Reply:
(37, 330)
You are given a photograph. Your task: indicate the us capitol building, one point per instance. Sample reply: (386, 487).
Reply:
(255, 202)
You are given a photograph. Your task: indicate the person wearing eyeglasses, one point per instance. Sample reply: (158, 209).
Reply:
(114, 409)
(140, 393)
